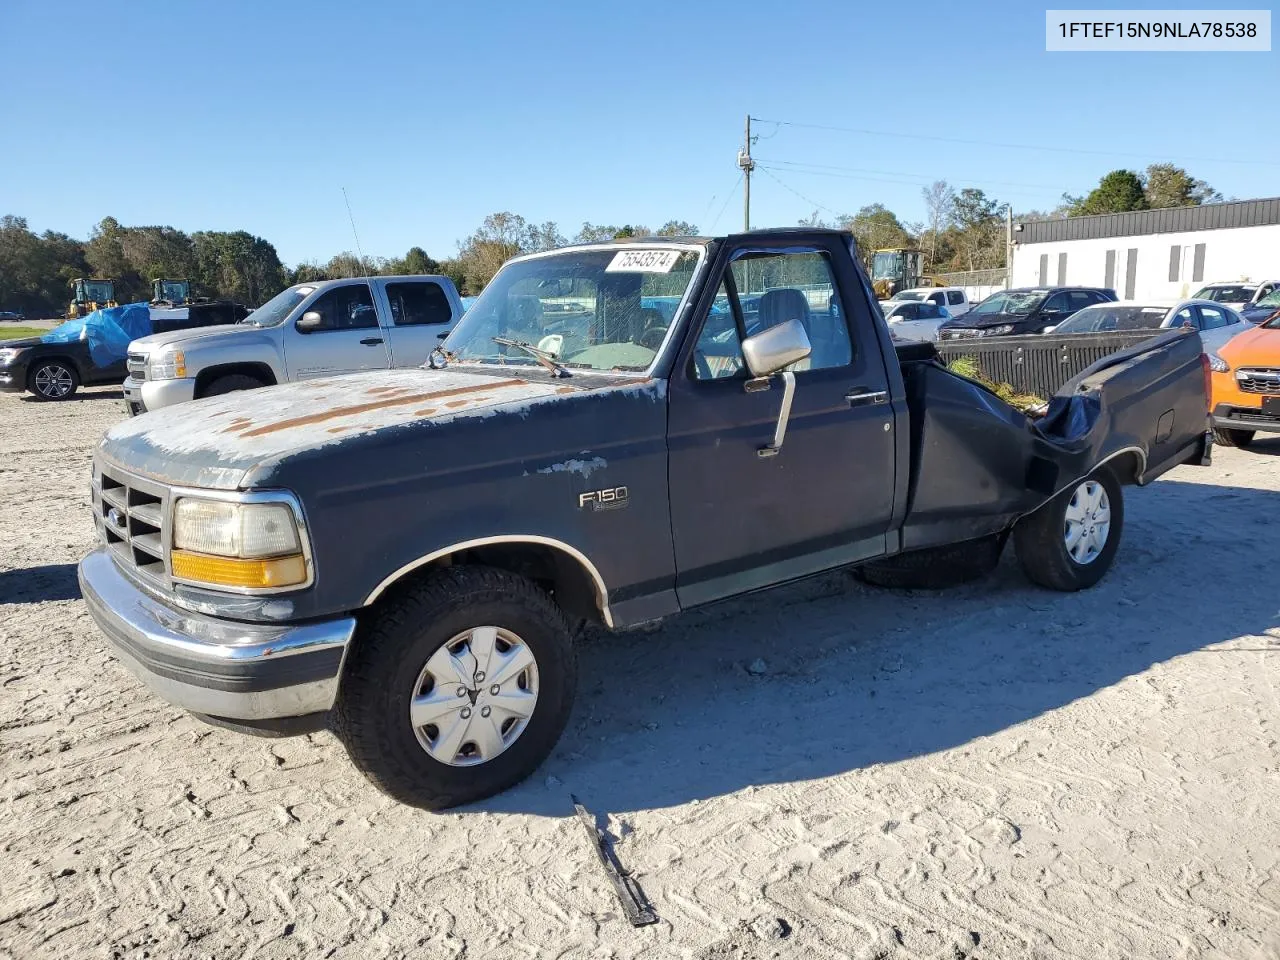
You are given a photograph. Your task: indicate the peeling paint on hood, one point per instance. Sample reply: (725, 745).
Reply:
(216, 441)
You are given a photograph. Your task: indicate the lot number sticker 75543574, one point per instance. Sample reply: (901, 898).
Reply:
(643, 261)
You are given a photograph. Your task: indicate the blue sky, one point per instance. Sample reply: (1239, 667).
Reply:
(254, 115)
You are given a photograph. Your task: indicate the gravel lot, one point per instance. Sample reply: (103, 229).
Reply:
(994, 772)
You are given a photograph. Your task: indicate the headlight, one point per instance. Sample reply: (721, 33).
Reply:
(10, 354)
(1218, 365)
(1000, 330)
(248, 546)
(167, 365)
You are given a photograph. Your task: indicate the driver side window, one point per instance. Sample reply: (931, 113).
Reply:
(1056, 304)
(348, 307)
(718, 353)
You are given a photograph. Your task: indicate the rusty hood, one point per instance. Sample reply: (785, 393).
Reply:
(215, 442)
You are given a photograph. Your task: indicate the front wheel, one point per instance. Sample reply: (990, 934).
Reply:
(230, 384)
(53, 380)
(1232, 438)
(458, 688)
(1071, 541)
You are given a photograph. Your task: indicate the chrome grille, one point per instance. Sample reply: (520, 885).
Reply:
(1259, 380)
(131, 515)
(137, 365)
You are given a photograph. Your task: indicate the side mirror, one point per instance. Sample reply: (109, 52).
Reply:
(309, 322)
(776, 348)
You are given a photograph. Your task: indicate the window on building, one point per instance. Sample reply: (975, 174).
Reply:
(1044, 269)
(1062, 269)
(1197, 264)
(1175, 259)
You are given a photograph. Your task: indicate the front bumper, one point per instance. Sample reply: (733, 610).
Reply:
(143, 395)
(222, 668)
(1229, 417)
(11, 382)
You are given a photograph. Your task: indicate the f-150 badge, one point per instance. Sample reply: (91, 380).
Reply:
(611, 498)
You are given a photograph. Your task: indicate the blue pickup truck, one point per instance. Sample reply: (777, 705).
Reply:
(612, 434)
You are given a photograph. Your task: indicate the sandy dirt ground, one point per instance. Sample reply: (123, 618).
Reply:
(991, 772)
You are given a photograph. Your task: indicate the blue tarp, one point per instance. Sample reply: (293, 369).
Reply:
(108, 332)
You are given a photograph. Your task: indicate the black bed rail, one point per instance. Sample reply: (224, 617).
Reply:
(1039, 363)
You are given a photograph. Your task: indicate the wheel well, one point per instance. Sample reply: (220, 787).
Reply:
(259, 371)
(60, 358)
(1128, 467)
(563, 576)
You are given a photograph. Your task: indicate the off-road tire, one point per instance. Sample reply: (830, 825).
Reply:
(935, 568)
(44, 397)
(1039, 540)
(1232, 438)
(391, 648)
(231, 383)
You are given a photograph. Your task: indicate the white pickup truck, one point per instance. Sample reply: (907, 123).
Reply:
(954, 299)
(308, 330)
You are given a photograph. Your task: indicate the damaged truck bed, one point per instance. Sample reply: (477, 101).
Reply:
(613, 433)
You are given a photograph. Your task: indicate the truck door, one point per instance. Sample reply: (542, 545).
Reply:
(420, 317)
(348, 337)
(742, 518)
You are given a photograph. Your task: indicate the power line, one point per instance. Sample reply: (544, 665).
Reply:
(727, 197)
(901, 173)
(1007, 146)
(909, 183)
(814, 203)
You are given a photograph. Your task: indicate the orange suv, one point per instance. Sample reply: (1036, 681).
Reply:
(1245, 385)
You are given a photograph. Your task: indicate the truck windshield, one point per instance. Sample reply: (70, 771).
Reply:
(1015, 304)
(908, 295)
(273, 312)
(605, 309)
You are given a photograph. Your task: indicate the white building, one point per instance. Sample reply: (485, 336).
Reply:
(1152, 254)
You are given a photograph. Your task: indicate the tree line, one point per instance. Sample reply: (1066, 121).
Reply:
(962, 230)
(965, 229)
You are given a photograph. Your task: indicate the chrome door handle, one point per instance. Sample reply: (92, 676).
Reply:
(857, 399)
(370, 341)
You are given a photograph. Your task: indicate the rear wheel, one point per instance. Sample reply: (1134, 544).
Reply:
(231, 383)
(1232, 438)
(458, 688)
(53, 380)
(1071, 541)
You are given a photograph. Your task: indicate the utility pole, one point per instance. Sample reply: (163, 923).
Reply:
(747, 165)
(1008, 246)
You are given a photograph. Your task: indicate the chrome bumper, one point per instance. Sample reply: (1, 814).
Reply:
(143, 395)
(222, 668)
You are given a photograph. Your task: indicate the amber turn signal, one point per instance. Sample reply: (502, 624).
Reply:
(235, 572)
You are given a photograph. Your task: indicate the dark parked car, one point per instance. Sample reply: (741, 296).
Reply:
(11, 315)
(56, 370)
(1023, 310)
(408, 554)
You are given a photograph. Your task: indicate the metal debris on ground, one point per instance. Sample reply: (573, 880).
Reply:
(634, 903)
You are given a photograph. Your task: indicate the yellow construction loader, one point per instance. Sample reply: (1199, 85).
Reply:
(91, 295)
(898, 268)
